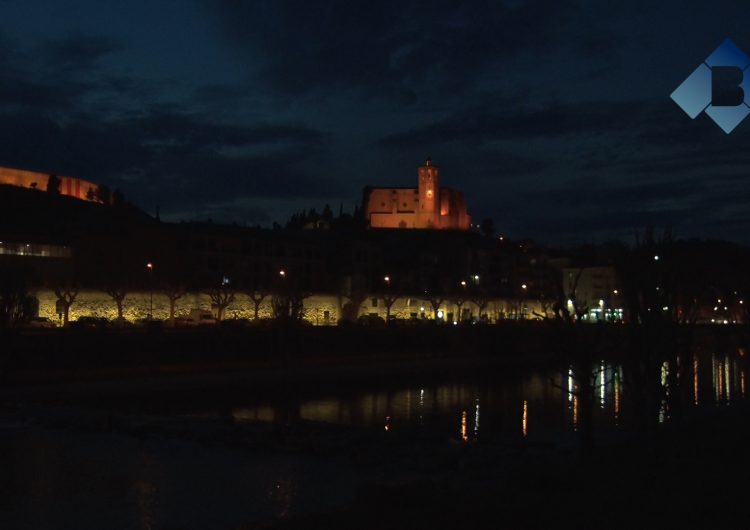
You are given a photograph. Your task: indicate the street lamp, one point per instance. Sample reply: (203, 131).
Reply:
(387, 279)
(524, 286)
(282, 273)
(150, 267)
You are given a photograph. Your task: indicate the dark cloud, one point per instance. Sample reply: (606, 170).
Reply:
(395, 49)
(507, 120)
(78, 52)
(170, 158)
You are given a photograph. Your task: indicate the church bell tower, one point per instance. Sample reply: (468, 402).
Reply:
(429, 194)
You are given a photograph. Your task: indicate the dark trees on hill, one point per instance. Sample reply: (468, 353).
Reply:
(16, 304)
(53, 184)
(103, 195)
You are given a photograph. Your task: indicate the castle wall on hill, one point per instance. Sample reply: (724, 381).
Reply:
(69, 186)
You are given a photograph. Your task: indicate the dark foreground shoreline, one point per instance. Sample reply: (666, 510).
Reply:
(138, 358)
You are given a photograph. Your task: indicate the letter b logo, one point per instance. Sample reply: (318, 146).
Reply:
(719, 87)
(726, 89)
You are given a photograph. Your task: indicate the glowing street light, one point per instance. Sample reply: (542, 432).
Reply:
(524, 286)
(282, 273)
(656, 257)
(463, 283)
(387, 279)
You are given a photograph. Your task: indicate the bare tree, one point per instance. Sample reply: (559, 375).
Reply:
(65, 298)
(546, 306)
(257, 296)
(459, 302)
(173, 293)
(289, 306)
(436, 301)
(118, 294)
(388, 300)
(389, 296)
(16, 304)
(481, 300)
(221, 298)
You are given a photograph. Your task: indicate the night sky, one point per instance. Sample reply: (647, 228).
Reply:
(552, 116)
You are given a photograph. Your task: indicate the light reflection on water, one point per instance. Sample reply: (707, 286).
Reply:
(545, 404)
(146, 483)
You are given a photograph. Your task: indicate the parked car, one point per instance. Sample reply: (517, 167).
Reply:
(201, 317)
(235, 322)
(90, 322)
(41, 322)
(180, 321)
(370, 320)
(148, 323)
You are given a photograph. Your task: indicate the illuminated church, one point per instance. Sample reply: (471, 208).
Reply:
(428, 206)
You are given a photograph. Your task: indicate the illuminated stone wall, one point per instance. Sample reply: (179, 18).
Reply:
(136, 306)
(499, 309)
(318, 309)
(71, 186)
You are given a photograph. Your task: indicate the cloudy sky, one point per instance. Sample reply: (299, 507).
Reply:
(553, 116)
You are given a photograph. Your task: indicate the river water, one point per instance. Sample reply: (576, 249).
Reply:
(78, 474)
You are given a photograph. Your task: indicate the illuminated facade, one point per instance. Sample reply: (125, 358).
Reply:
(596, 289)
(319, 309)
(69, 186)
(428, 206)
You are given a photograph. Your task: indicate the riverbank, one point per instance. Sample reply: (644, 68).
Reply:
(141, 357)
